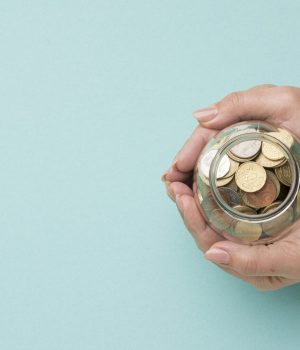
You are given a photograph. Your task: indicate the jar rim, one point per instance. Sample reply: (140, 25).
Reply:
(259, 218)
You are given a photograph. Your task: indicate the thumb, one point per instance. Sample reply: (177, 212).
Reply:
(260, 260)
(263, 102)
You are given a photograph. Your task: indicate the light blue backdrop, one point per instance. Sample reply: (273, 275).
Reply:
(96, 99)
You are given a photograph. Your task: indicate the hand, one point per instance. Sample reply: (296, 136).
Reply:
(267, 267)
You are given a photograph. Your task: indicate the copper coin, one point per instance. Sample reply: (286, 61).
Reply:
(263, 197)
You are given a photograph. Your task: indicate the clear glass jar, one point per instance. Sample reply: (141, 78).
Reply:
(244, 195)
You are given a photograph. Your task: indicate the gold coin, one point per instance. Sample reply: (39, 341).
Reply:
(245, 210)
(271, 151)
(274, 152)
(268, 163)
(250, 177)
(284, 136)
(225, 181)
(247, 231)
(284, 174)
(233, 168)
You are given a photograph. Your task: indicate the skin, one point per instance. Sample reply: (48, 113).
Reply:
(266, 267)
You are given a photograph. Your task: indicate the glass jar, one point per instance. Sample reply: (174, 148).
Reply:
(246, 182)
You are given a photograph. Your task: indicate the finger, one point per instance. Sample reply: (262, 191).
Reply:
(262, 87)
(259, 260)
(178, 188)
(184, 163)
(260, 103)
(204, 236)
(262, 283)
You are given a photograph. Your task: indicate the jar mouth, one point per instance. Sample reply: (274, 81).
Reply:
(263, 217)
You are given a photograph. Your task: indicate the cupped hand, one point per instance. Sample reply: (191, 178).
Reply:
(267, 267)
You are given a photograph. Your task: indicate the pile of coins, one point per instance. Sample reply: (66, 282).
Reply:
(254, 176)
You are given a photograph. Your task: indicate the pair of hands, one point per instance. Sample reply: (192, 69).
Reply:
(267, 267)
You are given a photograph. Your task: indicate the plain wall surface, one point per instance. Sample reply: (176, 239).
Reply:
(96, 99)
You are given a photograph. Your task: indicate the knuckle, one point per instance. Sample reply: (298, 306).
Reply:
(234, 98)
(263, 86)
(264, 284)
(289, 94)
(249, 267)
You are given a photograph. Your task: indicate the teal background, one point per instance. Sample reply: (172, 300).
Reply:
(96, 99)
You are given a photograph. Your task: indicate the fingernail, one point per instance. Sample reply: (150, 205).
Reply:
(206, 114)
(218, 256)
(173, 166)
(179, 204)
(170, 192)
(163, 178)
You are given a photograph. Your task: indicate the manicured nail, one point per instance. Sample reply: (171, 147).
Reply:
(172, 167)
(218, 256)
(179, 204)
(170, 192)
(163, 178)
(206, 114)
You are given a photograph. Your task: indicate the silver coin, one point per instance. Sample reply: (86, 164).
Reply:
(207, 159)
(246, 149)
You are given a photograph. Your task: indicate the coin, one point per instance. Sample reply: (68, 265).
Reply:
(271, 207)
(275, 180)
(271, 151)
(278, 223)
(274, 152)
(245, 149)
(265, 196)
(284, 136)
(224, 181)
(268, 163)
(245, 210)
(230, 196)
(247, 231)
(250, 177)
(239, 160)
(284, 174)
(207, 159)
(220, 219)
(221, 182)
(233, 168)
